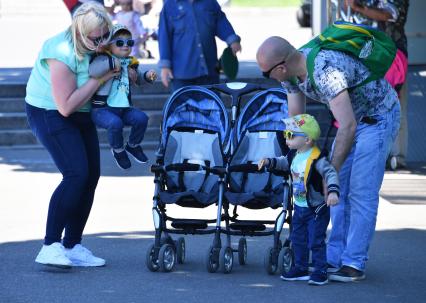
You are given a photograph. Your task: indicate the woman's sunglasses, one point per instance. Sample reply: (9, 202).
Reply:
(122, 42)
(98, 40)
(267, 74)
(288, 134)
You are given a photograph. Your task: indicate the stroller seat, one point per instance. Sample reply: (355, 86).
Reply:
(255, 190)
(192, 188)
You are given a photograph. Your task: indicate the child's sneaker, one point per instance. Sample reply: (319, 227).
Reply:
(53, 255)
(295, 274)
(318, 278)
(81, 256)
(121, 159)
(137, 153)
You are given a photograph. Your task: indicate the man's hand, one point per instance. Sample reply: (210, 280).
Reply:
(236, 47)
(262, 163)
(332, 199)
(166, 75)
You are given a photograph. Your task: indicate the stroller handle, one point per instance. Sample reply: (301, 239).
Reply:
(236, 89)
(253, 168)
(183, 167)
(246, 168)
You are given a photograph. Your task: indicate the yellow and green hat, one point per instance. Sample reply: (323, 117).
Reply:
(303, 123)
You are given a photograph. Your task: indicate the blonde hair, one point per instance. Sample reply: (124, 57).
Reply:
(87, 18)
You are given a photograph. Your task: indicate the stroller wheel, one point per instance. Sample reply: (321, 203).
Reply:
(270, 260)
(226, 259)
(285, 259)
(167, 258)
(242, 251)
(166, 240)
(212, 260)
(149, 260)
(180, 250)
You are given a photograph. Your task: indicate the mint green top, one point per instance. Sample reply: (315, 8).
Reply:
(39, 86)
(120, 90)
(298, 166)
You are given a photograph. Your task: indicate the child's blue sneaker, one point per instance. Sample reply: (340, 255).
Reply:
(318, 278)
(122, 159)
(295, 274)
(137, 153)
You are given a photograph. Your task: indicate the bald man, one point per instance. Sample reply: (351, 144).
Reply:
(368, 116)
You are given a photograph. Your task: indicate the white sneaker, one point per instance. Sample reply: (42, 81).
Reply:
(81, 256)
(53, 255)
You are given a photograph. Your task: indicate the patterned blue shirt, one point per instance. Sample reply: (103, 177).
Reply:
(336, 71)
(187, 34)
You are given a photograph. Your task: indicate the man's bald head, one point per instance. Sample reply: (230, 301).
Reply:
(272, 51)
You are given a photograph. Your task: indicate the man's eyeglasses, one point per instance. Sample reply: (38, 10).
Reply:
(98, 40)
(267, 74)
(289, 135)
(122, 42)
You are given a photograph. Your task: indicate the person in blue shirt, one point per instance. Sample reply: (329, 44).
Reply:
(58, 113)
(186, 38)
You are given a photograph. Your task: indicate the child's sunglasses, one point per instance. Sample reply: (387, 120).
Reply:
(122, 42)
(288, 134)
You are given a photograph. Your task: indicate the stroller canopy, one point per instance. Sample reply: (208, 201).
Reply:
(263, 112)
(195, 107)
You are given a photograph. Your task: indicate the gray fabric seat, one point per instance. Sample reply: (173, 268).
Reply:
(192, 188)
(255, 190)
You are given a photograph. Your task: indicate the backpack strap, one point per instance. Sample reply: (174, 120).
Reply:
(310, 65)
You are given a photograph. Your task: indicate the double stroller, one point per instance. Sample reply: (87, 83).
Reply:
(207, 158)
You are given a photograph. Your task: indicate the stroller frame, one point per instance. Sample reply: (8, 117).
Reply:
(279, 255)
(165, 252)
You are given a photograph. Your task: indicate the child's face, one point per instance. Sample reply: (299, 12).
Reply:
(124, 49)
(298, 142)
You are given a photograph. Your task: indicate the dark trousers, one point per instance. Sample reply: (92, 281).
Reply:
(205, 80)
(74, 147)
(113, 119)
(308, 234)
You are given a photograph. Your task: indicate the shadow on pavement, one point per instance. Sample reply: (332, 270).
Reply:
(39, 160)
(395, 274)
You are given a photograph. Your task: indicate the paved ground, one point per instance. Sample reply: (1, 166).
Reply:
(120, 230)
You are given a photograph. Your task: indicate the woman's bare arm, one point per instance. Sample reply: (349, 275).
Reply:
(67, 96)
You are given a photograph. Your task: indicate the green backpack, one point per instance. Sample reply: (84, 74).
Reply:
(374, 48)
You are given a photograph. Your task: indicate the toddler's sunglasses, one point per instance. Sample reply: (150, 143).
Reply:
(122, 42)
(288, 134)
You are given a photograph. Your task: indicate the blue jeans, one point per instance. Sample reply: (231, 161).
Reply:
(74, 147)
(309, 233)
(354, 218)
(205, 80)
(113, 119)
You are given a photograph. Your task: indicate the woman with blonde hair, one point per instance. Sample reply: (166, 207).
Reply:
(59, 115)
